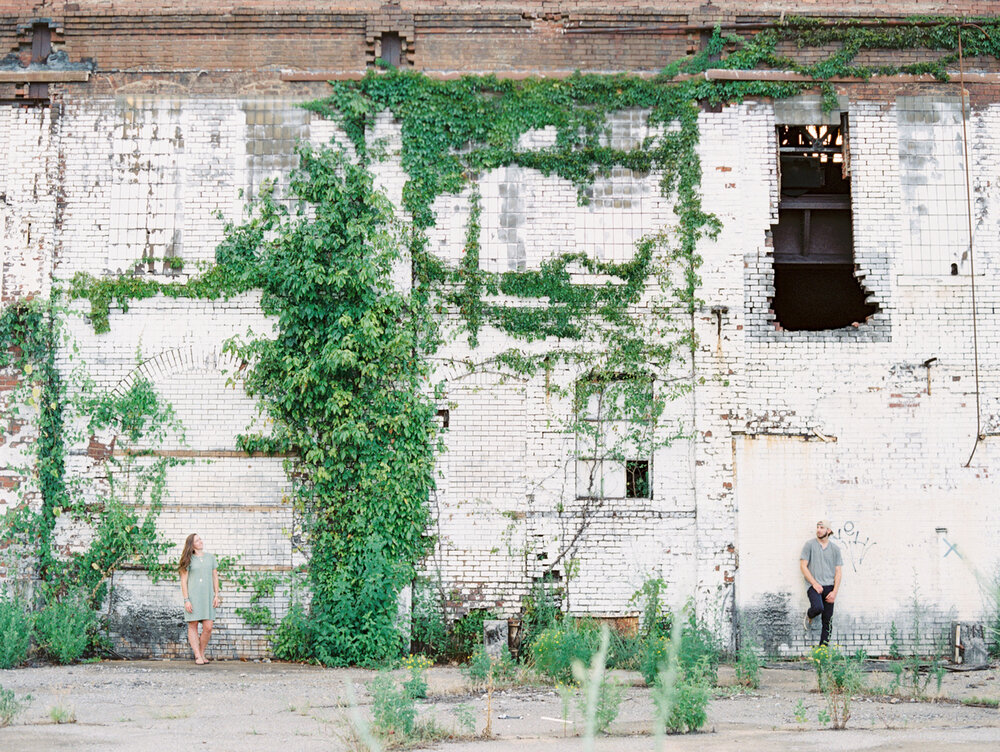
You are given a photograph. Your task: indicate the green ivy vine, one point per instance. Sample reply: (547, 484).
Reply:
(346, 379)
(121, 534)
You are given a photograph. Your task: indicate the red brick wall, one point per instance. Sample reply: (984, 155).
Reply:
(536, 35)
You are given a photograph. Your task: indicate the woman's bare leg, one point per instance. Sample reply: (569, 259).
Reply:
(206, 634)
(194, 642)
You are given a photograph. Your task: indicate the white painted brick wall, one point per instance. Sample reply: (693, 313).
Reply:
(782, 427)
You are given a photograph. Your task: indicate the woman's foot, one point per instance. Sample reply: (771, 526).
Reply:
(200, 661)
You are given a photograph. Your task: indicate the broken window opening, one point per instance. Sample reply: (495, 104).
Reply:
(815, 288)
(637, 479)
(391, 50)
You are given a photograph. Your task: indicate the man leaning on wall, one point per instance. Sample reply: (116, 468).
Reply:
(821, 565)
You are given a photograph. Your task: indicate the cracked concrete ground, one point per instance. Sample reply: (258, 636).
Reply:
(142, 705)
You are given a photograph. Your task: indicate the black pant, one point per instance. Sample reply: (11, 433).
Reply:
(819, 605)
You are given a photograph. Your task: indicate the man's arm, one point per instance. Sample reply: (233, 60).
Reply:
(804, 566)
(836, 586)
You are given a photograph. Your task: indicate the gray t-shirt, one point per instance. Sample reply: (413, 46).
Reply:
(822, 562)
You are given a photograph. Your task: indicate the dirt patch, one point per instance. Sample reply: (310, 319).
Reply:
(231, 705)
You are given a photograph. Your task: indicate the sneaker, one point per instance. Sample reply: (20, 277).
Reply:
(807, 622)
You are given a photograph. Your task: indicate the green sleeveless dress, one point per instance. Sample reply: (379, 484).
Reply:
(200, 591)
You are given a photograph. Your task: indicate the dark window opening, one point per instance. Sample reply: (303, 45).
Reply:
(637, 479)
(814, 284)
(391, 50)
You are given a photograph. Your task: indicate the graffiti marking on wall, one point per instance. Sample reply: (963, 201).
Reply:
(855, 546)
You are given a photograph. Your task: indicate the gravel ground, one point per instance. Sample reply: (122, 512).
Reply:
(140, 705)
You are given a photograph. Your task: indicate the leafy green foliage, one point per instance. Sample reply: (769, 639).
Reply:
(257, 614)
(15, 632)
(838, 675)
(687, 708)
(467, 632)
(11, 705)
(345, 384)
(293, 640)
(540, 611)
(655, 655)
(558, 647)
(393, 708)
(483, 669)
(748, 665)
(63, 629)
(656, 617)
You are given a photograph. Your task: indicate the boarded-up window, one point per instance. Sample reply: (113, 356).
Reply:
(391, 46)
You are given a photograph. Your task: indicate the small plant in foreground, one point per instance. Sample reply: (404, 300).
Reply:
(417, 665)
(748, 665)
(483, 668)
(393, 708)
(11, 705)
(599, 698)
(62, 714)
(800, 712)
(684, 707)
(839, 676)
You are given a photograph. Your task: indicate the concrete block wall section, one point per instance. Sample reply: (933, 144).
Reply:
(782, 427)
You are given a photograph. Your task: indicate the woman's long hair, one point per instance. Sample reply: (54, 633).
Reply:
(187, 553)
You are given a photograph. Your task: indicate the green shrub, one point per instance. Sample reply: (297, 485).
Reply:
(429, 628)
(681, 701)
(483, 669)
(63, 629)
(748, 665)
(467, 633)
(356, 622)
(293, 640)
(655, 655)
(393, 708)
(15, 632)
(11, 705)
(656, 617)
(839, 676)
(555, 649)
(699, 649)
(541, 609)
(689, 709)
(417, 665)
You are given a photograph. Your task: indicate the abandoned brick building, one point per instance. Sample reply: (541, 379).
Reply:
(847, 357)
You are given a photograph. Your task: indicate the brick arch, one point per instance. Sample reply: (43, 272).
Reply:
(174, 360)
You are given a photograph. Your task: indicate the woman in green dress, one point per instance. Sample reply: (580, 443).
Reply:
(200, 588)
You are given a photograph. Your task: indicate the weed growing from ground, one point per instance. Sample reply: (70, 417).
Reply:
(748, 663)
(839, 676)
(11, 705)
(62, 714)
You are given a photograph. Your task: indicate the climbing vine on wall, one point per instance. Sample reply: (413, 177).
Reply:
(119, 531)
(345, 380)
